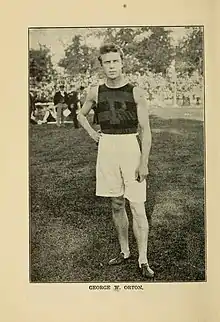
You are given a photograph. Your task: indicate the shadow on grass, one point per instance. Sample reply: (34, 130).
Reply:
(72, 234)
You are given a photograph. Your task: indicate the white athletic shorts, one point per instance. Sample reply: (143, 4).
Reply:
(118, 158)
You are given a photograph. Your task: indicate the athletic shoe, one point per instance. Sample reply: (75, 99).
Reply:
(146, 271)
(119, 260)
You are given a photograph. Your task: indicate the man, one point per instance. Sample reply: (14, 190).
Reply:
(73, 106)
(122, 167)
(60, 103)
(32, 107)
(50, 114)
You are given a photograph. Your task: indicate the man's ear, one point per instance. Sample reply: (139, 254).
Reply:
(122, 65)
(100, 60)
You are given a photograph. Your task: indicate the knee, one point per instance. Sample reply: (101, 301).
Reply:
(137, 207)
(139, 213)
(118, 204)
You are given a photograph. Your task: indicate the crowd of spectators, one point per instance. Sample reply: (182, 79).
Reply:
(158, 88)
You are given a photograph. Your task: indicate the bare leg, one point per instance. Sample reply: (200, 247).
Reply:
(54, 114)
(59, 111)
(121, 223)
(141, 230)
(61, 115)
(47, 113)
(74, 116)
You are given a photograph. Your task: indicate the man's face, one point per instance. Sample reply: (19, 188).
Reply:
(112, 65)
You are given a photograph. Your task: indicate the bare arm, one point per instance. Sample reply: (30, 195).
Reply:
(145, 132)
(84, 111)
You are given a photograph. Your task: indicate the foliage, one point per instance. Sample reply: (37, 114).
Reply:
(140, 46)
(79, 58)
(155, 52)
(40, 64)
(189, 52)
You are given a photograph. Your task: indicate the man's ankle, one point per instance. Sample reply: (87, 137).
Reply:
(126, 254)
(145, 262)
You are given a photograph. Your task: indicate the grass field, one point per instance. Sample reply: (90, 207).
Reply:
(72, 236)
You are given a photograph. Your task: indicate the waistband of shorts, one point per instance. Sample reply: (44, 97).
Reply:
(118, 135)
(130, 130)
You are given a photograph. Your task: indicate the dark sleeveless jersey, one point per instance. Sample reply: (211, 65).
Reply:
(117, 110)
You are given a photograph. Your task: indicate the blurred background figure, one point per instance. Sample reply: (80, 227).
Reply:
(81, 95)
(60, 103)
(32, 98)
(50, 114)
(73, 105)
(95, 116)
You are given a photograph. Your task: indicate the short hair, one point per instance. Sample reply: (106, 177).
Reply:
(109, 48)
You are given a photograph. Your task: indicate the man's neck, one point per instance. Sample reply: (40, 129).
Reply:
(117, 82)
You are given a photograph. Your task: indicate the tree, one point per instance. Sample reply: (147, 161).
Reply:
(155, 52)
(79, 58)
(190, 50)
(40, 64)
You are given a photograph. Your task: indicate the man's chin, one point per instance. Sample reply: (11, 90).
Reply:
(112, 76)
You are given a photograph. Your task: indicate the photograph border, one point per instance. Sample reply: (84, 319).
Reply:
(204, 156)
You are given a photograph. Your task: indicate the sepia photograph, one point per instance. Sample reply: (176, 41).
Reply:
(117, 154)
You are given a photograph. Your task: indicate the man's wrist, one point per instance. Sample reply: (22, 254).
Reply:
(91, 132)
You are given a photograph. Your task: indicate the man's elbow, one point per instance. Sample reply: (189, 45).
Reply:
(79, 116)
(146, 132)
